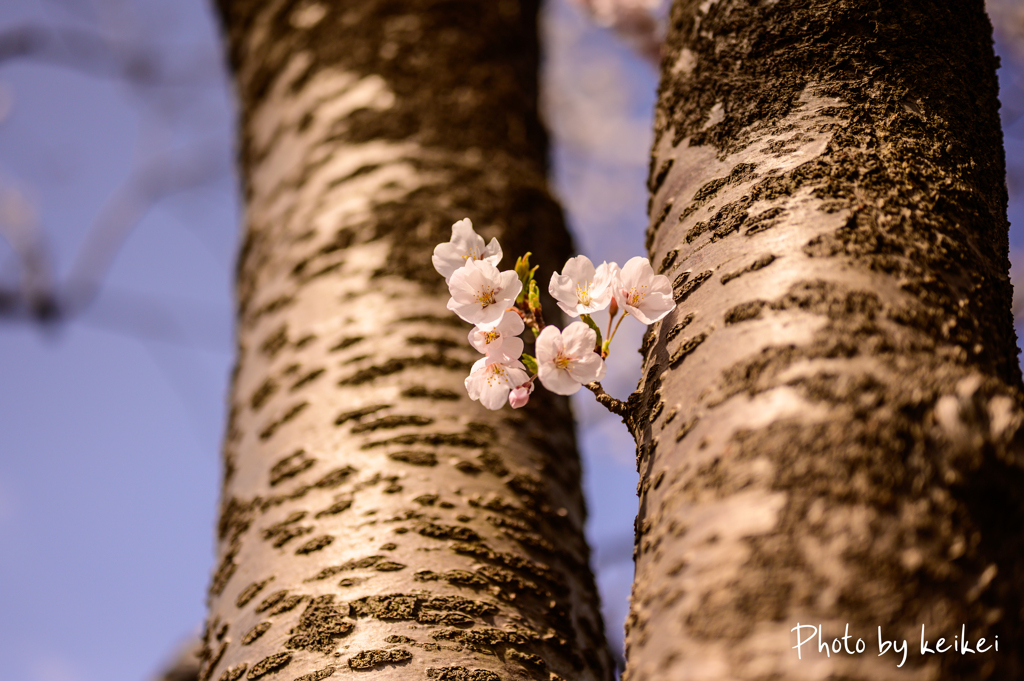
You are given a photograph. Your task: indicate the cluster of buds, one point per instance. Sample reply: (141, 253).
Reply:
(502, 305)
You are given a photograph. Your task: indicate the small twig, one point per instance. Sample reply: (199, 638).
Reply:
(531, 317)
(607, 401)
(538, 319)
(91, 51)
(633, 20)
(161, 177)
(19, 227)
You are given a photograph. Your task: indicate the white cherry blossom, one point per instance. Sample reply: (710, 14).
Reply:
(566, 360)
(581, 288)
(481, 294)
(491, 379)
(500, 340)
(465, 245)
(644, 294)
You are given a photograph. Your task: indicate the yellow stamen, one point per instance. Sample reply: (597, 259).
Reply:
(583, 292)
(496, 373)
(486, 296)
(636, 297)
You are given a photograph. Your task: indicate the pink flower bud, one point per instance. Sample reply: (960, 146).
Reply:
(518, 397)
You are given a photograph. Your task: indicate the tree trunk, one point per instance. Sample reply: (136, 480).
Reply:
(373, 517)
(829, 425)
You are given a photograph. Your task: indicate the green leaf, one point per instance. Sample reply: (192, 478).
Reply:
(525, 275)
(523, 266)
(529, 362)
(534, 295)
(592, 324)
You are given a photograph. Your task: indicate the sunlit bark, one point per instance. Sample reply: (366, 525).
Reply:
(829, 425)
(373, 517)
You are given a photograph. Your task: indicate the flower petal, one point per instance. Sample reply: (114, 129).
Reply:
(511, 286)
(446, 259)
(494, 397)
(463, 283)
(465, 246)
(517, 374)
(492, 253)
(474, 280)
(557, 380)
(511, 324)
(490, 381)
(465, 239)
(588, 368)
(578, 338)
(636, 271)
(563, 289)
(656, 306)
(548, 345)
(579, 269)
(512, 348)
(473, 382)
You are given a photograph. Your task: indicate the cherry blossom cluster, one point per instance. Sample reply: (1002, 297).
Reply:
(501, 305)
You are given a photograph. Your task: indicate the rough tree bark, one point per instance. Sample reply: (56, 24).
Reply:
(373, 518)
(829, 425)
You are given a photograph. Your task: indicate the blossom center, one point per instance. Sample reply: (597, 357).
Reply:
(472, 254)
(491, 336)
(583, 292)
(486, 296)
(563, 362)
(636, 295)
(496, 375)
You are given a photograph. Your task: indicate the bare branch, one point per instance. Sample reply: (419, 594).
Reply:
(19, 226)
(79, 49)
(39, 296)
(607, 401)
(634, 20)
(159, 178)
(94, 53)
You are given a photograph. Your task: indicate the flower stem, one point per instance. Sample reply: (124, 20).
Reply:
(608, 341)
(611, 318)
